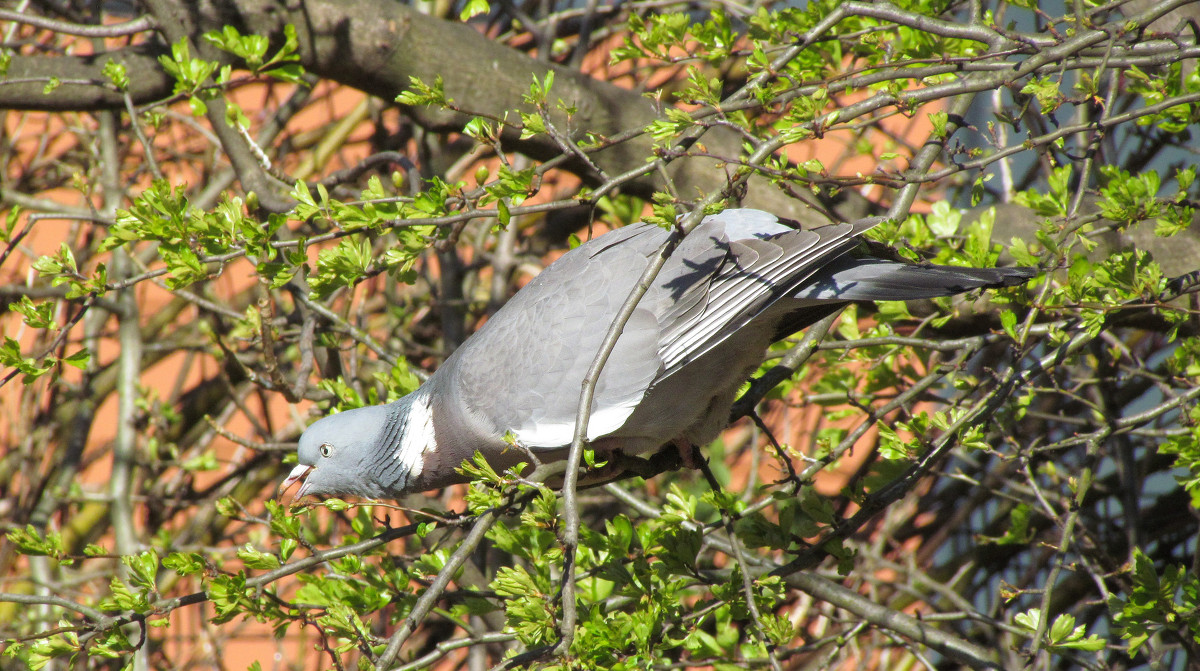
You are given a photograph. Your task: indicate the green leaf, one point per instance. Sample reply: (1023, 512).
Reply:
(31, 541)
(228, 507)
(977, 188)
(11, 357)
(10, 223)
(474, 8)
(943, 220)
(1046, 91)
(336, 505)
(116, 74)
(184, 563)
(939, 121)
(204, 461)
(251, 48)
(257, 559)
(1008, 321)
(143, 568)
(892, 447)
(531, 125)
(36, 315)
(1158, 601)
(286, 547)
(79, 359)
(190, 74)
(1128, 198)
(540, 91)
(425, 94)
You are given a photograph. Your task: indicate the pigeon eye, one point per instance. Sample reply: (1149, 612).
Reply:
(326, 450)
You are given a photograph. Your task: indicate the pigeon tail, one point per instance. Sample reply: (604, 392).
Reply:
(859, 279)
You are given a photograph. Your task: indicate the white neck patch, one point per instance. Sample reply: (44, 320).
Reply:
(418, 433)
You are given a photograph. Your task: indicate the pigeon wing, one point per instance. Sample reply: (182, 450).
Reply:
(761, 265)
(523, 370)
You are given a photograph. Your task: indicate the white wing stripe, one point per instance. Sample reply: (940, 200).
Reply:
(418, 432)
(559, 434)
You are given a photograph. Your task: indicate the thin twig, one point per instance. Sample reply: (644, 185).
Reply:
(132, 27)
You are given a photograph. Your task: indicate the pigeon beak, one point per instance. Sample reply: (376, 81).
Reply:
(297, 473)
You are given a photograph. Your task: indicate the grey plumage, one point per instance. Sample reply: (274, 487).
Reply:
(739, 281)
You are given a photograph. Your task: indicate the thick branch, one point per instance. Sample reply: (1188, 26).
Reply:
(84, 86)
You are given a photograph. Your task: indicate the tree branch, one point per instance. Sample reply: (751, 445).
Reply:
(132, 27)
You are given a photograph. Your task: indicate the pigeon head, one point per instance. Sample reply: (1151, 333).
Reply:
(341, 454)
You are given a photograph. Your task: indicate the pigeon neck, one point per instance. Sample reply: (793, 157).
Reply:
(407, 439)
